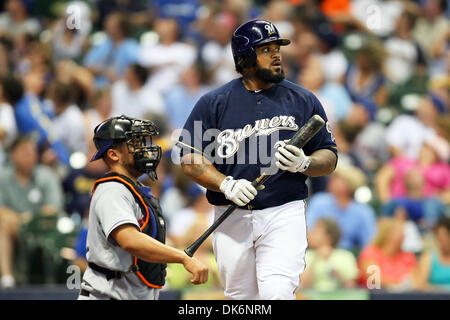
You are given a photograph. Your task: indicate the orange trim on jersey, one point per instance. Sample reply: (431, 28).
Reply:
(143, 226)
(134, 191)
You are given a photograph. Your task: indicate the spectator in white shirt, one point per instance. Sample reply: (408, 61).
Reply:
(68, 37)
(15, 20)
(404, 53)
(133, 96)
(8, 127)
(168, 58)
(216, 53)
(68, 124)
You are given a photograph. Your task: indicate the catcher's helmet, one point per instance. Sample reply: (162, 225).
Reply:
(138, 136)
(250, 34)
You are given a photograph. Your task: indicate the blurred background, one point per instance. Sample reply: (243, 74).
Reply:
(379, 226)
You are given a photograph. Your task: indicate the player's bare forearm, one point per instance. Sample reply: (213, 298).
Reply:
(199, 169)
(144, 247)
(148, 249)
(323, 162)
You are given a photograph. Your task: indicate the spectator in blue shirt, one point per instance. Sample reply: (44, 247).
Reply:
(110, 58)
(181, 100)
(33, 119)
(357, 221)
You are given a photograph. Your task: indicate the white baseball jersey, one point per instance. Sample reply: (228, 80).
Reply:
(112, 205)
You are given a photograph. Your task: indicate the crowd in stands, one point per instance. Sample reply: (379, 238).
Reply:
(381, 69)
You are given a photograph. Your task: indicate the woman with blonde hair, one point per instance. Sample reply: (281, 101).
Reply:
(385, 254)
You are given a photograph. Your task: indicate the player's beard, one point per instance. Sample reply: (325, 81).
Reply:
(131, 169)
(268, 75)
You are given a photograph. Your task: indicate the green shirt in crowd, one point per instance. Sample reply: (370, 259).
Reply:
(43, 189)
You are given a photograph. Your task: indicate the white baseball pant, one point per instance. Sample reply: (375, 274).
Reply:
(261, 253)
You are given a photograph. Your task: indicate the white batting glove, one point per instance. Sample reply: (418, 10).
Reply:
(239, 191)
(292, 159)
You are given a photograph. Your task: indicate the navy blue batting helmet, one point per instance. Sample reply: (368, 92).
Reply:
(250, 34)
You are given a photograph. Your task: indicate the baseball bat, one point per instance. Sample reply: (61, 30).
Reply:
(301, 137)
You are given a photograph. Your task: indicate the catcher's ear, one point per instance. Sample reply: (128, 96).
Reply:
(113, 154)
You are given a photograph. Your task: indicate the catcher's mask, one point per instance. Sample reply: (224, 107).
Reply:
(138, 137)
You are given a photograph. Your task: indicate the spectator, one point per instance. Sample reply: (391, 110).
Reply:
(8, 127)
(133, 97)
(327, 267)
(396, 267)
(198, 215)
(16, 21)
(167, 58)
(181, 99)
(185, 227)
(5, 59)
(33, 118)
(434, 267)
(109, 59)
(333, 96)
(355, 220)
(100, 111)
(304, 48)
(79, 78)
(216, 53)
(68, 124)
(364, 78)
(69, 36)
(27, 189)
(279, 13)
(175, 190)
(435, 171)
(330, 55)
(431, 26)
(135, 10)
(185, 12)
(421, 127)
(78, 183)
(404, 55)
(414, 205)
(369, 148)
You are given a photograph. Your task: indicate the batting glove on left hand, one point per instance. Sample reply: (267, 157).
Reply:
(292, 159)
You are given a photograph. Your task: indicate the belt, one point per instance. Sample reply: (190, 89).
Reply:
(250, 207)
(84, 292)
(110, 274)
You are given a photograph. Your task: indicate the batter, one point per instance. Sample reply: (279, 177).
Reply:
(234, 134)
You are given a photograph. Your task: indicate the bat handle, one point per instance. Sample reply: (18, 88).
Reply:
(197, 243)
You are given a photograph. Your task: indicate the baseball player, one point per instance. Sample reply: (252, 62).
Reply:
(260, 248)
(126, 253)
